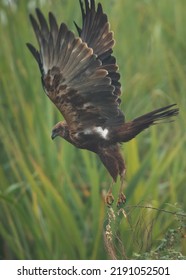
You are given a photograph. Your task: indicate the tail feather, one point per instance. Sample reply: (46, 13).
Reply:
(133, 128)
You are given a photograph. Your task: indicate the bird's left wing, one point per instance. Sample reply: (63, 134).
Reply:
(72, 76)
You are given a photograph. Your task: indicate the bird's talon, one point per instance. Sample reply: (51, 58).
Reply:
(109, 199)
(121, 199)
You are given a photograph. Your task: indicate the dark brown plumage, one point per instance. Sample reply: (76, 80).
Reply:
(80, 76)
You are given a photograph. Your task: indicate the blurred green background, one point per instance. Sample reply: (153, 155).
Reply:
(51, 194)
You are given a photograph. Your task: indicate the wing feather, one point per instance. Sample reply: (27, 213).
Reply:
(96, 33)
(74, 78)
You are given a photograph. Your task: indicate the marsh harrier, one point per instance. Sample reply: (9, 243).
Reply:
(80, 76)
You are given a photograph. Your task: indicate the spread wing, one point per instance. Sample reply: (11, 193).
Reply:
(73, 77)
(96, 33)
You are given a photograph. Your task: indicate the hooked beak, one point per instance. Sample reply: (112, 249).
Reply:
(54, 135)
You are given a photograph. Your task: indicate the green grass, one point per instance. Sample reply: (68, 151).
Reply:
(51, 194)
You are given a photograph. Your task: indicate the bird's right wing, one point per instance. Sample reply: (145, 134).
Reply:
(96, 33)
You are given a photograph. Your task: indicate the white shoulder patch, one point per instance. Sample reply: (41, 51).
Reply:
(102, 132)
(97, 129)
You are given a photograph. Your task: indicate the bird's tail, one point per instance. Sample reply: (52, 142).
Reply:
(130, 129)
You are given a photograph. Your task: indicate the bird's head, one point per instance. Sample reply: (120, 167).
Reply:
(60, 129)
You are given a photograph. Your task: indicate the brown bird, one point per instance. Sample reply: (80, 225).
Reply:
(80, 76)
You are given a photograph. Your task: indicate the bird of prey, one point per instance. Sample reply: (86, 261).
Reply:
(80, 76)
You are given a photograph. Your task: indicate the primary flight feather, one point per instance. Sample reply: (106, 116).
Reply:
(80, 76)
